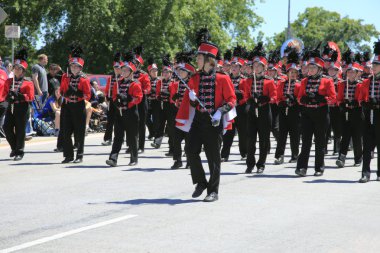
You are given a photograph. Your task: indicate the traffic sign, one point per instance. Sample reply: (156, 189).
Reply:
(12, 32)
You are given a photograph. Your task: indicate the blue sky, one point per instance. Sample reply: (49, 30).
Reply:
(275, 12)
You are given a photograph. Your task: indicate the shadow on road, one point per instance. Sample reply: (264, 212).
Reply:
(272, 176)
(147, 169)
(155, 201)
(324, 181)
(23, 164)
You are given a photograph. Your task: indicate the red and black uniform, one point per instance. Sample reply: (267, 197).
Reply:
(315, 94)
(126, 101)
(335, 121)
(216, 92)
(289, 117)
(3, 102)
(19, 96)
(351, 117)
(154, 107)
(111, 82)
(370, 97)
(177, 92)
(240, 122)
(143, 80)
(75, 90)
(259, 92)
(163, 96)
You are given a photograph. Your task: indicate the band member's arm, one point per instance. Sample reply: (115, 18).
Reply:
(244, 86)
(86, 88)
(7, 85)
(280, 90)
(158, 88)
(136, 94)
(28, 91)
(108, 85)
(64, 84)
(229, 95)
(145, 83)
(173, 89)
(331, 94)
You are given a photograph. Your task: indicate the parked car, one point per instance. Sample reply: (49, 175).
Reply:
(100, 79)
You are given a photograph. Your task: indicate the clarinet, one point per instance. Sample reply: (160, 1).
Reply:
(117, 92)
(288, 92)
(346, 98)
(372, 94)
(255, 90)
(13, 88)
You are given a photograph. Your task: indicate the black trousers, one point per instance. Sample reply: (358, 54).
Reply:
(203, 133)
(149, 119)
(14, 126)
(126, 124)
(275, 121)
(313, 122)
(178, 137)
(74, 122)
(289, 119)
(142, 111)
(371, 138)
(335, 125)
(110, 122)
(165, 119)
(171, 125)
(240, 125)
(3, 109)
(352, 128)
(258, 125)
(157, 117)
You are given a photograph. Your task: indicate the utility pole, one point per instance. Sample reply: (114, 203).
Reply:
(288, 34)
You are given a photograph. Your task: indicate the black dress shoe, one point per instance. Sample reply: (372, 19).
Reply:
(12, 154)
(211, 197)
(127, 151)
(111, 163)
(176, 165)
(58, 150)
(199, 190)
(140, 151)
(67, 160)
(364, 179)
(318, 173)
(301, 172)
(293, 160)
(224, 160)
(78, 160)
(260, 169)
(248, 170)
(279, 160)
(169, 154)
(18, 157)
(132, 164)
(155, 145)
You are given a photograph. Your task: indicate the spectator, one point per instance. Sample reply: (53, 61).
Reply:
(54, 77)
(40, 78)
(52, 108)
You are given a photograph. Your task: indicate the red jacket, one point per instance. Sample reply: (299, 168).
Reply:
(326, 89)
(365, 91)
(27, 89)
(224, 93)
(342, 92)
(108, 85)
(134, 91)
(144, 82)
(3, 78)
(269, 89)
(280, 90)
(84, 86)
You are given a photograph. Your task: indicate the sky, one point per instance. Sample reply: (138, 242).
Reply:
(275, 12)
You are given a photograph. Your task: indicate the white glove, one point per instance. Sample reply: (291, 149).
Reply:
(216, 118)
(192, 95)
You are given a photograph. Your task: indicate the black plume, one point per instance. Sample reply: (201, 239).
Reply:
(218, 57)
(150, 60)
(166, 60)
(22, 54)
(185, 56)
(327, 50)
(287, 49)
(129, 56)
(138, 50)
(202, 35)
(376, 48)
(305, 54)
(117, 57)
(293, 56)
(315, 52)
(258, 51)
(334, 56)
(228, 55)
(238, 51)
(358, 56)
(366, 56)
(76, 49)
(274, 56)
(347, 56)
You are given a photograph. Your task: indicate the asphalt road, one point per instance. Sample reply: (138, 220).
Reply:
(46, 206)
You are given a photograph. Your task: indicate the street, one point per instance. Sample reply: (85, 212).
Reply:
(47, 206)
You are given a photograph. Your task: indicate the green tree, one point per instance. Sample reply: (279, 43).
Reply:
(317, 24)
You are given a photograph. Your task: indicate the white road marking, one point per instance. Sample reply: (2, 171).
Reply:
(65, 234)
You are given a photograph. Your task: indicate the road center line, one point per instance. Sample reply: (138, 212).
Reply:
(65, 234)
